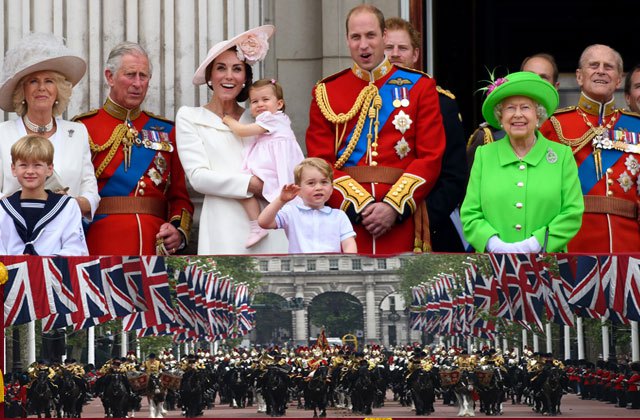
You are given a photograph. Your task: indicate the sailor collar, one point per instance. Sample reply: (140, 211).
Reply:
(592, 107)
(120, 112)
(376, 74)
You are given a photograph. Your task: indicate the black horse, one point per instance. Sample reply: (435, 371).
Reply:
(317, 391)
(274, 390)
(237, 379)
(551, 392)
(421, 383)
(191, 390)
(491, 390)
(41, 395)
(362, 390)
(71, 394)
(464, 389)
(116, 397)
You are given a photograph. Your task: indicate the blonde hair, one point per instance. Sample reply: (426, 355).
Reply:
(62, 100)
(32, 147)
(313, 162)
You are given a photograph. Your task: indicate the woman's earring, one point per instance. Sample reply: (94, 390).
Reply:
(243, 85)
(23, 102)
(209, 83)
(56, 102)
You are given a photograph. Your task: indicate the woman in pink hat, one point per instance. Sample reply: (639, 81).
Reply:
(212, 155)
(39, 73)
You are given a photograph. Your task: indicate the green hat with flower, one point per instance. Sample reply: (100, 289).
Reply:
(522, 83)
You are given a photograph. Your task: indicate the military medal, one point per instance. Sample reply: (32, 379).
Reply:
(160, 163)
(632, 165)
(396, 98)
(405, 97)
(402, 122)
(552, 157)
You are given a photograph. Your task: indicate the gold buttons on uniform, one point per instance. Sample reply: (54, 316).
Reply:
(374, 163)
(142, 184)
(609, 171)
(609, 193)
(141, 192)
(610, 181)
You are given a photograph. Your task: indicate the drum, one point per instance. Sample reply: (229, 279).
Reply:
(170, 380)
(138, 380)
(449, 377)
(484, 376)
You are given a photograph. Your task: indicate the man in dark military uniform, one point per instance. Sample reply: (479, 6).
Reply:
(402, 47)
(145, 207)
(381, 129)
(604, 140)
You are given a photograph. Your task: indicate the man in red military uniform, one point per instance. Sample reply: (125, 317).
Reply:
(380, 127)
(605, 143)
(144, 207)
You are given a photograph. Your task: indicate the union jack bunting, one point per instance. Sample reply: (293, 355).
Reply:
(632, 290)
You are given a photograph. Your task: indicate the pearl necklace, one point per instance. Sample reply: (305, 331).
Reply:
(40, 129)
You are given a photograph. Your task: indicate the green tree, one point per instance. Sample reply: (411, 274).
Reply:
(340, 313)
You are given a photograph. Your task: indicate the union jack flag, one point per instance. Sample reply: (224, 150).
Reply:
(587, 296)
(26, 296)
(632, 290)
(156, 288)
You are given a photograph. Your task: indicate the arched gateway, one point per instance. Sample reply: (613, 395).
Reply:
(372, 282)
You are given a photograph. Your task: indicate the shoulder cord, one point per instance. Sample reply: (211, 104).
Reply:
(366, 98)
(114, 142)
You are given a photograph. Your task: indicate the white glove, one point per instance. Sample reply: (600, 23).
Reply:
(497, 245)
(526, 246)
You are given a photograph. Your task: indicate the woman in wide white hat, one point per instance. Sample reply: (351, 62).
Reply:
(38, 75)
(212, 155)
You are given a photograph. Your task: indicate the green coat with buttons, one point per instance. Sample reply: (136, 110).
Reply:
(515, 198)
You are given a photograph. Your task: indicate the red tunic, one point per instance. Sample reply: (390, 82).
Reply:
(415, 161)
(162, 179)
(601, 232)
(633, 384)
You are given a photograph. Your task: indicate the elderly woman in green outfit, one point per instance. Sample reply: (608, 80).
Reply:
(524, 193)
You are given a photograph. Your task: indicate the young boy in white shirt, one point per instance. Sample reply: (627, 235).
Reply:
(33, 220)
(310, 226)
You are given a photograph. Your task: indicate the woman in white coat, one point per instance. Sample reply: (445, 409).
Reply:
(212, 155)
(38, 76)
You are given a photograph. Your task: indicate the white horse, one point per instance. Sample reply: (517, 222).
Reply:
(463, 390)
(156, 395)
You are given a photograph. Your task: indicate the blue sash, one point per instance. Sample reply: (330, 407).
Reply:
(586, 171)
(386, 93)
(121, 183)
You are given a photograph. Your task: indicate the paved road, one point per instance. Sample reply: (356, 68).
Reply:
(572, 407)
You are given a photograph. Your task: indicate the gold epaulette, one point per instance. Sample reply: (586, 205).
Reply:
(85, 115)
(445, 92)
(353, 193)
(333, 76)
(565, 109)
(158, 117)
(630, 113)
(402, 191)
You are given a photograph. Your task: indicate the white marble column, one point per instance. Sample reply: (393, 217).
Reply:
(301, 317)
(635, 341)
(549, 338)
(31, 342)
(370, 301)
(580, 338)
(91, 345)
(567, 342)
(524, 340)
(605, 340)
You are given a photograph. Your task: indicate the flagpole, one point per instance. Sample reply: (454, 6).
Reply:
(605, 339)
(124, 343)
(567, 342)
(635, 341)
(580, 338)
(31, 342)
(91, 346)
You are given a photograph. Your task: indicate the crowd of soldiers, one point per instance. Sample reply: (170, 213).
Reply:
(520, 376)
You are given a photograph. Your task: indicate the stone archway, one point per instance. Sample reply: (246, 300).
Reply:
(274, 325)
(339, 312)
